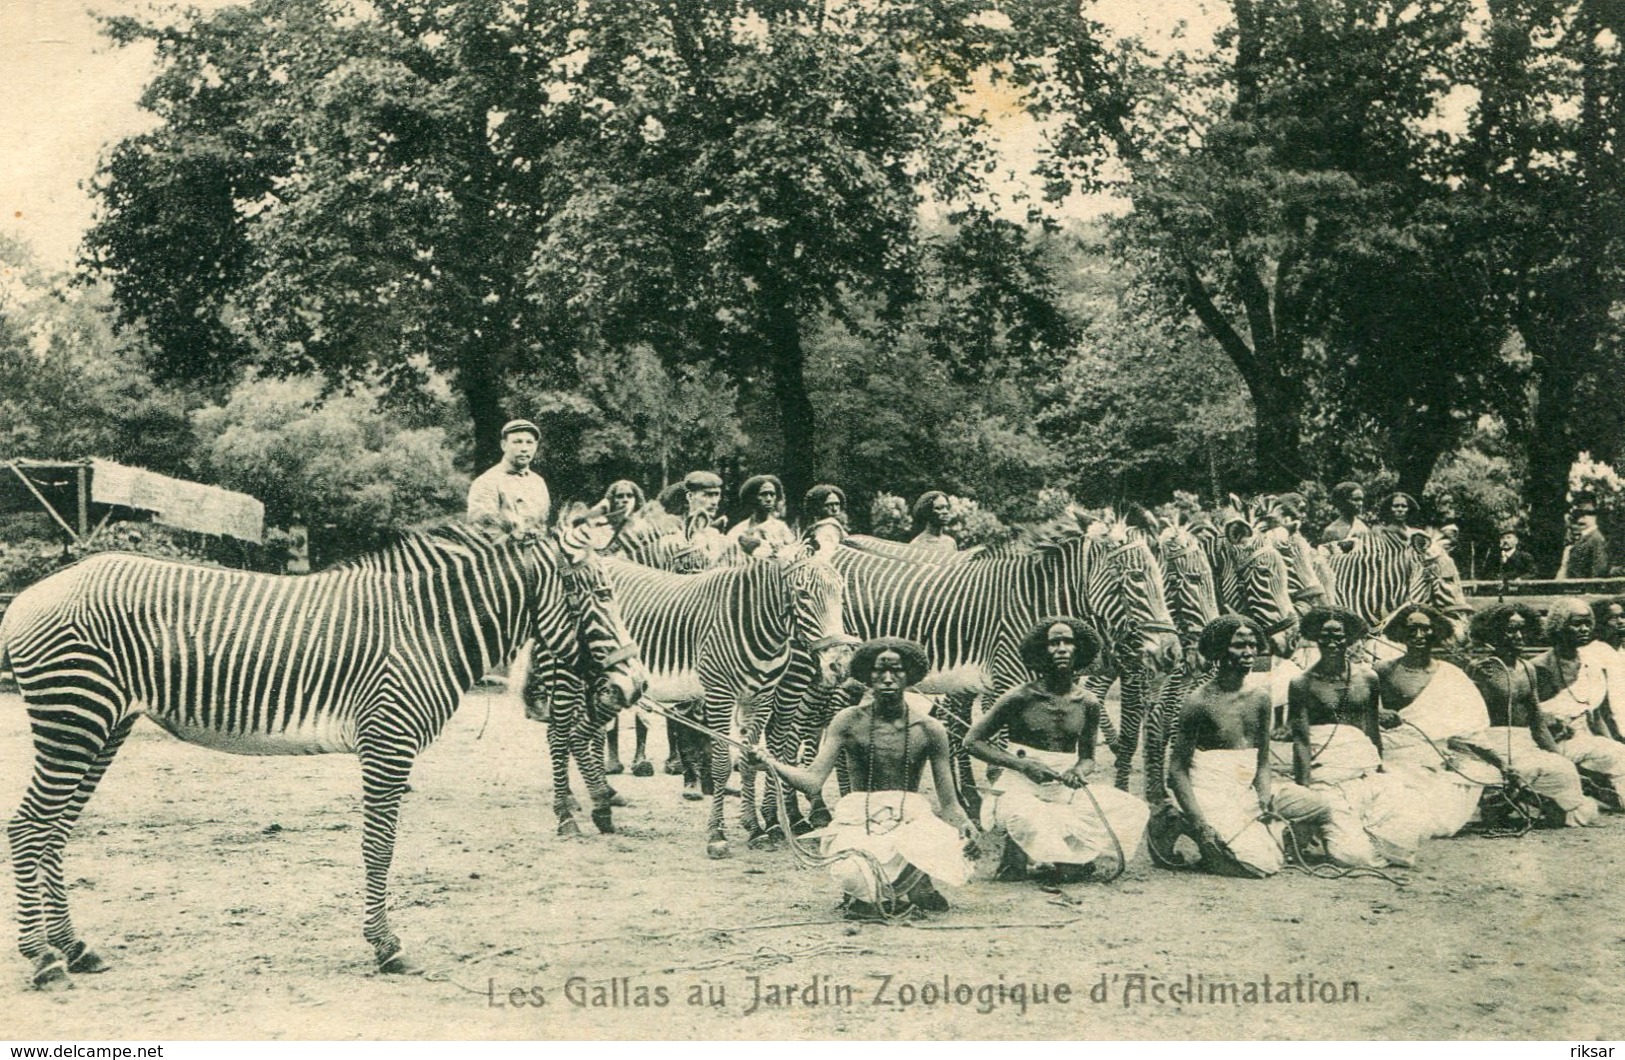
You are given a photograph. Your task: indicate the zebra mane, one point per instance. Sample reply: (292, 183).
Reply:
(451, 537)
(1073, 524)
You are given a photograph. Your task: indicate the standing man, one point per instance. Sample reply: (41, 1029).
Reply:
(1052, 723)
(511, 498)
(1587, 554)
(1349, 500)
(931, 514)
(703, 525)
(763, 493)
(888, 739)
(1509, 561)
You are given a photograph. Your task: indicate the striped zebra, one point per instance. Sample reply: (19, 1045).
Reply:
(1192, 603)
(370, 658)
(732, 636)
(971, 615)
(1386, 568)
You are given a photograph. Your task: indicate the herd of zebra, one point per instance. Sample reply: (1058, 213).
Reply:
(372, 657)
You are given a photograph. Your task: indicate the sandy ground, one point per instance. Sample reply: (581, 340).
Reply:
(227, 893)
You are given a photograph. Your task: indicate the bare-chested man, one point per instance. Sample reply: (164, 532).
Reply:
(1518, 741)
(1221, 765)
(1425, 703)
(888, 738)
(1337, 748)
(1060, 829)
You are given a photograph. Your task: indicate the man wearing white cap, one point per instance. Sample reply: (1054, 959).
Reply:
(511, 498)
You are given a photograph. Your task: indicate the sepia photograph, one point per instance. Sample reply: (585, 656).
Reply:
(793, 520)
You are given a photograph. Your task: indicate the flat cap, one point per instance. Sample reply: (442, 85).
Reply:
(521, 425)
(702, 480)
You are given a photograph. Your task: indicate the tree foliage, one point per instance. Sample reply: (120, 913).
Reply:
(336, 462)
(1288, 194)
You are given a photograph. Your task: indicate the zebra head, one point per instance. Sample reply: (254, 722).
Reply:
(1252, 576)
(1280, 519)
(1126, 589)
(589, 627)
(816, 602)
(1187, 577)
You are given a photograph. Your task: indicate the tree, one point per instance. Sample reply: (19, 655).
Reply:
(1277, 180)
(1543, 163)
(489, 189)
(70, 387)
(336, 463)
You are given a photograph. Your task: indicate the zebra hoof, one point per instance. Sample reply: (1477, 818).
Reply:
(820, 817)
(614, 768)
(85, 961)
(569, 829)
(617, 799)
(396, 964)
(763, 840)
(642, 767)
(717, 846)
(673, 767)
(604, 818)
(51, 972)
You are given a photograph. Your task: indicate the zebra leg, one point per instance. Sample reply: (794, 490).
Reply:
(1159, 711)
(587, 750)
(558, 755)
(1098, 685)
(59, 927)
(68, 749)
(674, 753)
(719, 709)
(956, 708)
(385, 766)
(1132, 712)
(641, 766)
(612, 749)
(756, 832)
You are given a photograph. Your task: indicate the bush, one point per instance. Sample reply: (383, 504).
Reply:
(889, 517)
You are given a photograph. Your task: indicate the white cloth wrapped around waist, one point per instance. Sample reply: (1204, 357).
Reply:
(897, 829)
(1061, 825)
(1223, 783)
(1341, 753)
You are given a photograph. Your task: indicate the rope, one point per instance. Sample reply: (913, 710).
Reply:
(885, 891)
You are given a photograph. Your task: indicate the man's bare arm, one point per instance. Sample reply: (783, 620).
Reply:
(942, 776)
(1191, 719)
(810, 779)
(979, 741)
(1297, 718)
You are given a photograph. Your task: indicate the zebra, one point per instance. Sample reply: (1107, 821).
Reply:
(972, 614)
(1193, 603)
(732, 636)
(1385, 569)
(368, 658)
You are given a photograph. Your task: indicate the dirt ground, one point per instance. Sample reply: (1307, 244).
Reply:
(226, 892)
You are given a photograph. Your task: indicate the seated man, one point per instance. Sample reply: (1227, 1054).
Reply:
(1573, 693)
(1337, 748)
(1221, 766)
(1609, 617)
(1517, 741)
(1052, 724)
(899, 846)
(1426, 702)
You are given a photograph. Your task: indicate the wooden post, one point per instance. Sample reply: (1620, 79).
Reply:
(83, 476)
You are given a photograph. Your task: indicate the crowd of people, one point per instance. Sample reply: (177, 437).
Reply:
(1372, 760)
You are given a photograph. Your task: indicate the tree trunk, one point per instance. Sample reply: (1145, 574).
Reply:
(479, 377)
(1277, 444)
(1551, 450)
(1418, 442)
(788, 359)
